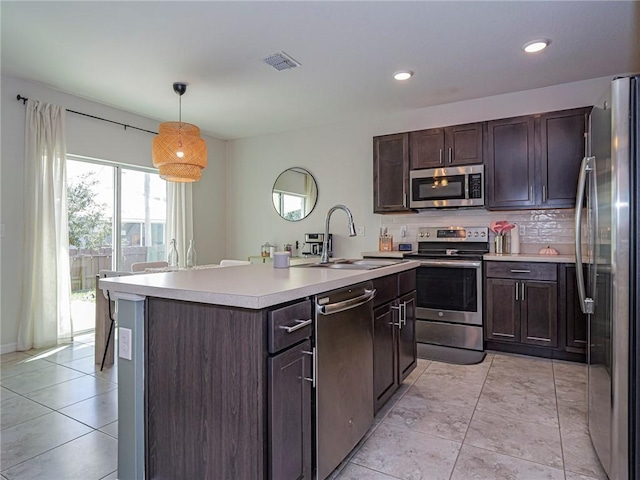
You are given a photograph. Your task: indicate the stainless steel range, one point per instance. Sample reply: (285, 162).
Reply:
(449, 288)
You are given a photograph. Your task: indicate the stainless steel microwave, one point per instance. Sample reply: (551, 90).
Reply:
(447, 187)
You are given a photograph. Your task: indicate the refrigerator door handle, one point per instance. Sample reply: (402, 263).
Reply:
(586, 304)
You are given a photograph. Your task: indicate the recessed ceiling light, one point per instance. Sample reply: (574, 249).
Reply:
(535, 45)
(403, 75)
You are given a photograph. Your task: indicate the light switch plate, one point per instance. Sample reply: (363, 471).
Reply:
(124, 343)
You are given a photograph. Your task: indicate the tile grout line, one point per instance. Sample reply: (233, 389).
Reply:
(471, 419)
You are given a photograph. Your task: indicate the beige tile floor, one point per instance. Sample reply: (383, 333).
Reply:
(510, 417)
(59, 414)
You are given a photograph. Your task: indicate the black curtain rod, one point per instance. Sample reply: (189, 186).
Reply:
(24, 102)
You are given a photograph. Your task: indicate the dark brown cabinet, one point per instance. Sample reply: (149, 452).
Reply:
(289, 399)
(509, 163)
(391, 173)
(561, 149)
(522, 303)
(576, 321)
(394, 334)
(233, 383)
(533, 161)
(446, 147)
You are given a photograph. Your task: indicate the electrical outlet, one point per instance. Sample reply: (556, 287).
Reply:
(124, 343)
(521, 229)
(403, 231)
(360, 231)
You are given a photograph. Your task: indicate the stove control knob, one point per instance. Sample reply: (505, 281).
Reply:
(482, 234)
(421, 234)
(475, 234)
(428, 234)
(468, 234)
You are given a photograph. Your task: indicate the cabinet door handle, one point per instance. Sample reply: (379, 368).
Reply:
(531, 193)
(404, 200)
(517, 286)
(450, 154)
(523, 291)
(440, 156)
(403, 317)
(520, 271)
(300, 324)
(544, 193)
(312, 353)
(399, 308)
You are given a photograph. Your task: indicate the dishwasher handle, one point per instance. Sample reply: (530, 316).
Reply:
(331, 308)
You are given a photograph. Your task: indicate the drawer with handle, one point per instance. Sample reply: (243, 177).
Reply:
(288, 325)
(525, 270)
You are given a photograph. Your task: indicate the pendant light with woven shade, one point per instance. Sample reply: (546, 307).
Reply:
(178, 151)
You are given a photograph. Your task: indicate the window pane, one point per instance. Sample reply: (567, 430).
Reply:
(90, 207)
(143, 217)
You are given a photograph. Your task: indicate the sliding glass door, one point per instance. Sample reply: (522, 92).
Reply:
(117, 216)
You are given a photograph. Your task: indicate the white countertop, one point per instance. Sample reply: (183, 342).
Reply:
(529, 257)
(247, 286)
(391, 254)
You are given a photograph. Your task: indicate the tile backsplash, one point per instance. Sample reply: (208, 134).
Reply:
(541, 227)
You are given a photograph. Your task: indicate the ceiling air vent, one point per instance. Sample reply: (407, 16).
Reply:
(281, 61)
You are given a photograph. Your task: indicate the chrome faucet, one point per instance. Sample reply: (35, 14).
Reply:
(325, 240)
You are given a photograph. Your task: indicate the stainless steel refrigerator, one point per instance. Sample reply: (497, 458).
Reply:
(607, 218)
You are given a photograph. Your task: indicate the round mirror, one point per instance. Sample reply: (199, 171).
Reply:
(295, 194)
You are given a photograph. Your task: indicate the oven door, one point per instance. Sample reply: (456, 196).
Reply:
(450, 291)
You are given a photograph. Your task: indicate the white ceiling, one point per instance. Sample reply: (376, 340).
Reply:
(128, 54)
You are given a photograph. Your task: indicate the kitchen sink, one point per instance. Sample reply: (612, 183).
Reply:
(353, 264)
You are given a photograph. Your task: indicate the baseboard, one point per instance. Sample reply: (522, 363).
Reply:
(8, 348)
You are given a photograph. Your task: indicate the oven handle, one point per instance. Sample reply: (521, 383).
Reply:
(451, 263)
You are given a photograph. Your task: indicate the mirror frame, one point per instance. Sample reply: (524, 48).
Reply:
(301, 170)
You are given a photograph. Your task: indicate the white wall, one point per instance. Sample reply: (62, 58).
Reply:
(91, 138)
(340, 158)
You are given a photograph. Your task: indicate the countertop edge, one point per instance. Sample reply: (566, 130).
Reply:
(240, 300)
(529, 257)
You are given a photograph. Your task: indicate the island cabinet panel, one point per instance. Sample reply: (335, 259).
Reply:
(205, 391)
(407, 346)
(290, 414)
(394, 334)
(391, 173)
(384, 357)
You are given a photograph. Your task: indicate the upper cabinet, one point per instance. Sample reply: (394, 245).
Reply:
(391, 173)
(562, 147)
(510, 166)
(533, 161)
(446, 147)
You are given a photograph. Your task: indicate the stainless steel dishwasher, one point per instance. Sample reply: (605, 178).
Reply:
(343, 373)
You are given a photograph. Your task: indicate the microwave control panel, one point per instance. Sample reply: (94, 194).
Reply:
(475, 185)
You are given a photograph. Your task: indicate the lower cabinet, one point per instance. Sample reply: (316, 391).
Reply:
(394, 334)
(575, 334)
(290, 413)
(226, 391)
(532, 308)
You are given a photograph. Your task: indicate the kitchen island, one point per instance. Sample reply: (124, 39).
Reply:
(198, 358)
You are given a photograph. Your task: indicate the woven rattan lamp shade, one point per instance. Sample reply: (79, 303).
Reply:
(174, 138)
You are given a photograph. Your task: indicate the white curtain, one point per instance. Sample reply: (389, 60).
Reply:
(45, 309)
(179, 217)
